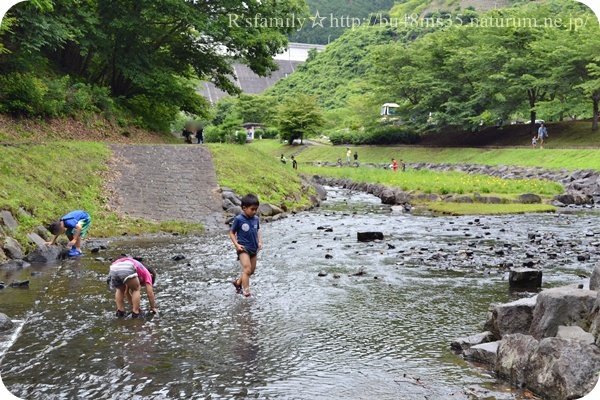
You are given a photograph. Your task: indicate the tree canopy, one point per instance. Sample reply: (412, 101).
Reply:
(149, 53)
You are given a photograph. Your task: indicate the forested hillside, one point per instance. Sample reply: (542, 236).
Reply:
(337, 14)
(139, 61)
(532, 61)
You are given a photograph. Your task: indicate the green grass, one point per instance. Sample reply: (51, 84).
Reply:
(51, 180)
(549, 158)
(487, 209)
(247, 169)
(425, 181)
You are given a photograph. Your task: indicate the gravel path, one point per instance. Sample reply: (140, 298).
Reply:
(167, 183)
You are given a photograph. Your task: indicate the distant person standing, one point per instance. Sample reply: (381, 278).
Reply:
(534, 142)
(402, 165)
(356, 157)
(200, 134)
(542, 134)
(394, 165)
(294, 163)
(348, 155)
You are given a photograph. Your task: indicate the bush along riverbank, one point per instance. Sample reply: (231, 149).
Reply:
(547, 343)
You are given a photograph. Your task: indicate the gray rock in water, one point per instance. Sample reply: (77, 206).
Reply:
(513, 357)
(563, 369)
(473, 340)
(13, 249)
(19, 284)
(511, 318)
(14, 265)
(321, 192)
(369, 236)
(525, 278)
(561, 306)
(268, 210)
(485, 353)
(5, 322)
(47, 254)
(388, 196)
(595, 278)
(322, 273)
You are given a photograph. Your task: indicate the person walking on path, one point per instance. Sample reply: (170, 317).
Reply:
(245, 235)
(542, 134)
(200, 134)
(294, 163)
(75, 224)
(348, 155)
(127, 276)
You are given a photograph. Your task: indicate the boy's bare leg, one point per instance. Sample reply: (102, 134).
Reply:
(78, 243)
(246, 271)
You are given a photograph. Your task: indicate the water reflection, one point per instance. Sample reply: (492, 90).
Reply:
(383, 333)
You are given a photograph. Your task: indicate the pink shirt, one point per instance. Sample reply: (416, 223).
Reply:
(143, 274)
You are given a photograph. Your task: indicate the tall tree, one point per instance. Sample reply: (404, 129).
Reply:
(298, 116)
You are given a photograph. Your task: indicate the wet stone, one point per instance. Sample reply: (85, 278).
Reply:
(322, 273)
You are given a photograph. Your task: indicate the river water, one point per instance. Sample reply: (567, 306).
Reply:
(382, 334)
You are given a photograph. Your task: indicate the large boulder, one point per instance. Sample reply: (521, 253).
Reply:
(388, 196)
(5, 322)
(36, 239)
(12, 265)
(513, 356)
(563, 369)
(45, 254)
(369, 236)
(321, 192)
(473, 340)
(268, 210)
(511, 318)
(43, 233)
(525, 278)
(12, 248)
(530, 198)
(595, 278)
(485, 353)
(9, 221)
(575, 333)
(566, 306)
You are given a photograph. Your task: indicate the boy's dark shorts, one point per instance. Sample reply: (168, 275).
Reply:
(251, 253)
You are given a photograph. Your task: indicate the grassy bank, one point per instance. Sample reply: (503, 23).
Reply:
(487, 209)
(49, 180)
(424, 181)
(246, 169)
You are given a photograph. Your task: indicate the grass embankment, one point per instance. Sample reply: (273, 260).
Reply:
(424, 181)
(51, 180)
(247, 169)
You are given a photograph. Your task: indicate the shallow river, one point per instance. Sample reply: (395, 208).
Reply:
(383, 334)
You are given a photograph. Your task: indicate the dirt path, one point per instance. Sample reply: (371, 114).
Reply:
(167, 183)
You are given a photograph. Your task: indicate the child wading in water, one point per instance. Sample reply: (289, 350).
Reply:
(245, 236)
(127, 276)
(75, 224)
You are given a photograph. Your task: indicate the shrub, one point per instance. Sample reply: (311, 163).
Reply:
(211, 134)
(375, 136)
(22, 94)
(270, 133)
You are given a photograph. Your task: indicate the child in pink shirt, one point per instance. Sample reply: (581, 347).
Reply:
(127, 276)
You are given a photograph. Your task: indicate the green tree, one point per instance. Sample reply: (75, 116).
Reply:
(150, 51)
(298, 117)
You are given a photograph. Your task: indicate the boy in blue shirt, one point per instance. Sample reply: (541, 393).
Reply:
(75, 224)
(245, 236)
